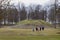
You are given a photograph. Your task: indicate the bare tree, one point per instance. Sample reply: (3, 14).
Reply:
(23, 13)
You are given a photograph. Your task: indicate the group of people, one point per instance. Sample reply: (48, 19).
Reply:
(39, 28)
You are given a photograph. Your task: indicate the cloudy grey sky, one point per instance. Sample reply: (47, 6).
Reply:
(28, 2)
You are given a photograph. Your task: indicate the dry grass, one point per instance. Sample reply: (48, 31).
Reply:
(10, 31)
(28, 34)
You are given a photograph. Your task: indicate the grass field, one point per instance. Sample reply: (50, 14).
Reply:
(30, 38)
(28, 34)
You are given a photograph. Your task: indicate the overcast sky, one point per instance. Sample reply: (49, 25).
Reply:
(28, 2)
(32, 1)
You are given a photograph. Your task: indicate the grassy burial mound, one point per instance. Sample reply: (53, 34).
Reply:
(33, 23)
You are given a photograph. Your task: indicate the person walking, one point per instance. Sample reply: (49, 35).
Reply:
(36, 28)
(33, 29)
(40, 28)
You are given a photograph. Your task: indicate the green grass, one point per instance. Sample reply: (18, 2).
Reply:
(30, 38)
(34, 22)
(27, 34)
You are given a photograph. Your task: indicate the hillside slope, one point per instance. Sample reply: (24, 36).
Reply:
(32, 23)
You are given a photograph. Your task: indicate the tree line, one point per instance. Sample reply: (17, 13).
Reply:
(10, 14)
